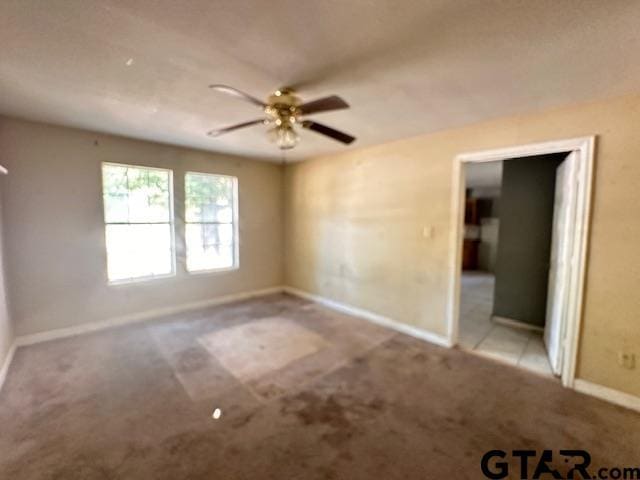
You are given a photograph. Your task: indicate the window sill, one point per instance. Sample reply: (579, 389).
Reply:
(213, 271)
(140, 280)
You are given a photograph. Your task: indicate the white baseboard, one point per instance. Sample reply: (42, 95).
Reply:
(24, 340)
(7, 361)
(34, 338)
(510, 322)
(608, 394)
(372, 317)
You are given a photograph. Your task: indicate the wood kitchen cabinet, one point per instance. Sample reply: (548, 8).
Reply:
(470, 254)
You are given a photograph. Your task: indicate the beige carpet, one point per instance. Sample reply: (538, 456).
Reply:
(255, 349)
(304, 393)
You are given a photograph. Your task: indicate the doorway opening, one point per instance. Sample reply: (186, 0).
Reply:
(520, 248)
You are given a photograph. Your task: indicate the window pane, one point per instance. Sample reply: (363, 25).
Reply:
(138, 251)
(138, 217)
(200, 235)
(136, 195)
(209, 198)
(116, 208)
(209, 257)
(209, 232)
(225, 214)
(148, 195)
(116, 193)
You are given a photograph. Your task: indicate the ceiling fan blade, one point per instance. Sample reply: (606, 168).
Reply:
(325, 104)
(220, 131)
(238, 94)
(328, 131)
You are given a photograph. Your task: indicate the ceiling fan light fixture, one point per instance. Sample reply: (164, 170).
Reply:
(283, 109)
(284, 136)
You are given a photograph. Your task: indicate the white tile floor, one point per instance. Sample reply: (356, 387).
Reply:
(478, 333)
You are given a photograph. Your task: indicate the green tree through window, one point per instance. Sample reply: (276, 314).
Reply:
(210, 228)
(138, 221)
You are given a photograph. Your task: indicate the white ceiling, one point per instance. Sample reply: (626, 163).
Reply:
(406, 67)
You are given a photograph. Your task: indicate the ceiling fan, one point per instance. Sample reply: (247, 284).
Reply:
(284, 109)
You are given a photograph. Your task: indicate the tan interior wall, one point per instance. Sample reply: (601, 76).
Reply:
(354, 226)
(54, 232)
(6, 326)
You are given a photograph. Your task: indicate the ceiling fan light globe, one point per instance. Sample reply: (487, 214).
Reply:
(284, 136)
(287, 138)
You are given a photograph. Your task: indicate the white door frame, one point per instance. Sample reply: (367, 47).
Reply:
(583, 175)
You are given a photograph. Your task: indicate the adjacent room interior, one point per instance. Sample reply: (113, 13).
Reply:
(516, 230)
(241, 240)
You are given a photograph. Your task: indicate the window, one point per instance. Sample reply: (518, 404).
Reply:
(138, 217)
(210, 221)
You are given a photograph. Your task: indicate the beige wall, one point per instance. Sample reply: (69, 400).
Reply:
(354, 226)
(54, 233)
(353, 231)
(6, 326)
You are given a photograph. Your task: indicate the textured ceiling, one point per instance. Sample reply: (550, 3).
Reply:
(406, 67)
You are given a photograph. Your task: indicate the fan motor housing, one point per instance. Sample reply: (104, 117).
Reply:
(282, 107)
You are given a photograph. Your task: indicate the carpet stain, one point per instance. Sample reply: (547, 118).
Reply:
(243, 421)
(363, 407)
(339, 412)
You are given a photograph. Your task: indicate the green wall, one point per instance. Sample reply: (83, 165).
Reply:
(524, 238)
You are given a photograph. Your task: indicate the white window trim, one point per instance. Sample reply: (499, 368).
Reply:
(172, 228)
(236, 229)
